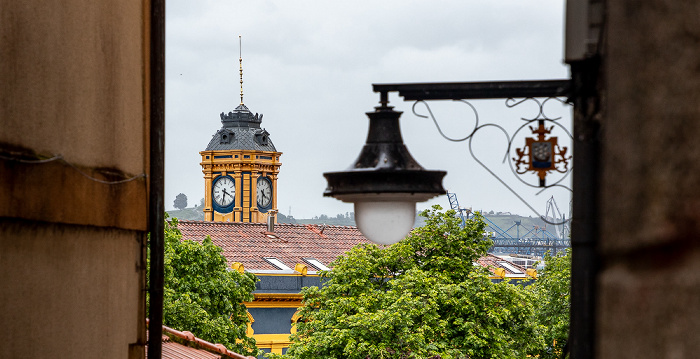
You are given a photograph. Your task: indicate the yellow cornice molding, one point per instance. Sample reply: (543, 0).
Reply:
(276, 338)
(277, 296)
(282, 274)
(251, 305)
(268, 341)
(275, 300)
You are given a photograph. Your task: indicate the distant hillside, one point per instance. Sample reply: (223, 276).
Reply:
(505, 222)
(192, 214)
(332, 221)
(197, 214)
(344, 220)
(347, 219)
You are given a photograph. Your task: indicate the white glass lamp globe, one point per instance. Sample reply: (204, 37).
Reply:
(385, 222)
(385, 182)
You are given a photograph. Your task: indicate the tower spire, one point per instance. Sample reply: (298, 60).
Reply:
(240, 62)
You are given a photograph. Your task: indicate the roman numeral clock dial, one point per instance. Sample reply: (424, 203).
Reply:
(264, 193)
(224, 191)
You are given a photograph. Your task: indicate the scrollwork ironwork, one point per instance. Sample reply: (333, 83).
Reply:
(519, 165)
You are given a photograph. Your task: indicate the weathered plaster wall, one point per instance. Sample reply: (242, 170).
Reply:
(73, 77)
(74, 83)
(69, 291)
(650, 199)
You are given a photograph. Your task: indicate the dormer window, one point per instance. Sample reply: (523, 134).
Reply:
(262, 137)
(226, 137)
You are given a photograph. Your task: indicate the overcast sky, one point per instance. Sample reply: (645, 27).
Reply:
(308, 66)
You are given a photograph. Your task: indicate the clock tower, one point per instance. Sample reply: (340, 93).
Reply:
(240, 167)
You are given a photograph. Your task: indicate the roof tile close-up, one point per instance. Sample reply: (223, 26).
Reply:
(250, 243)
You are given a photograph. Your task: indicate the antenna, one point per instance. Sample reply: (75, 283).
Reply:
(240, 62)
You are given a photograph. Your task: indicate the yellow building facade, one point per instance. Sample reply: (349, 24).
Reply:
(240, 167)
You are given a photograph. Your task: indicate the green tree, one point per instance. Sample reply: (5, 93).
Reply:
(420, 298)
(180, 201)
(551, 295)
(202, 296)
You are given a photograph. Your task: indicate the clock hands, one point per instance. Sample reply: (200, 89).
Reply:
(263, 196)
(225, 193)
(224, 187)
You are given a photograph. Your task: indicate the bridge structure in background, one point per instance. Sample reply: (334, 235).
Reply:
(518, 239)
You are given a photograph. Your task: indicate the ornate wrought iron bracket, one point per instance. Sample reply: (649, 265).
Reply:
(541, 154)
(477, 90)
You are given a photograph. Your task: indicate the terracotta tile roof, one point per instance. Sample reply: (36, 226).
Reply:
(174, 347)
(248, 243)
(173, 350)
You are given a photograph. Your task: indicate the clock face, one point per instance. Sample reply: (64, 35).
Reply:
(224, 191)
(264, 193)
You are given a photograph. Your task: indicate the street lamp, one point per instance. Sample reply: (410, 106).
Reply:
(384, 182)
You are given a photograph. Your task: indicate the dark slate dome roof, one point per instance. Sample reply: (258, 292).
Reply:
(241, 131)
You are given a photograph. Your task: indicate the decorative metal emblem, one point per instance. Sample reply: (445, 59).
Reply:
(541, 155)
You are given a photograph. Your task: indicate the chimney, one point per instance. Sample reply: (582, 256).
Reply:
(271, 224)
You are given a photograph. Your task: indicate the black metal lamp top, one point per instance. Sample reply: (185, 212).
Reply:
(384, 165)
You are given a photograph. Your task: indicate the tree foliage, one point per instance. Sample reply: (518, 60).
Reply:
(420, 298)
(180, 201)
(202, 296)
(551, 294)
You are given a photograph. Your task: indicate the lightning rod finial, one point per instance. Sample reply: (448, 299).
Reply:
(240, 62)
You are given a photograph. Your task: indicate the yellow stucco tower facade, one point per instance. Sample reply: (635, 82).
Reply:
(240, 167)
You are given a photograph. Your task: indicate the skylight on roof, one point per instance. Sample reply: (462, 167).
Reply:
(510, 267)
(316, 263)
(277, 263)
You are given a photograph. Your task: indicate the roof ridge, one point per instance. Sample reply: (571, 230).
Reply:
(315, 229)
(302, 225)
(201, 343)
(329, 225)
